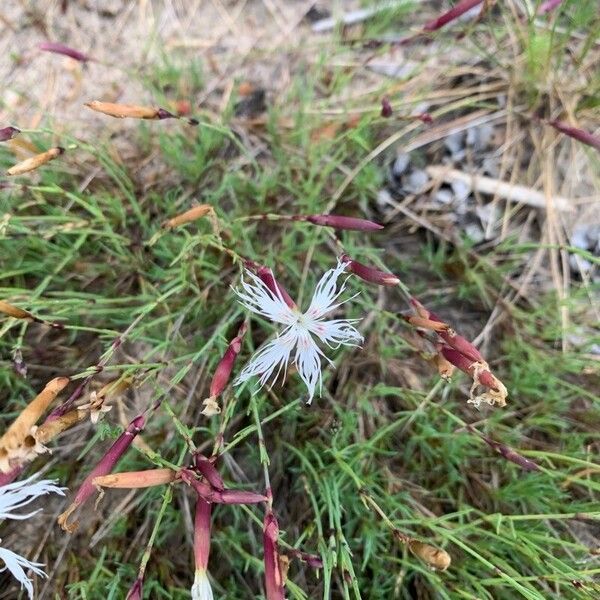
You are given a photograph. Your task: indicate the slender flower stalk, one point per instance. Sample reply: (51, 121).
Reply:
(30, 164)
(8, 133)
(104, 467)
(274, 577)
(201, 589)
(58, 48)
(454, 13)
(300, 330)
(15, 496)
(369, 274)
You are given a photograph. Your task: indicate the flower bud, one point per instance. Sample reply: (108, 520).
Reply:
(224, 496)
(274, 579)
(207, 469)
(577, 133)
(225, 367)
(342, 222)
(369, 274)
(455, 12)
(386, 108)
(57, 48)
(8, 133)
(136, 592)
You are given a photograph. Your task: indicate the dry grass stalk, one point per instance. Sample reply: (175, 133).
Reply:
(495, 187)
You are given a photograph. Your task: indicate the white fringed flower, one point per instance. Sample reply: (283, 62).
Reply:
(201, 589)
(298, 336)
(13, 497)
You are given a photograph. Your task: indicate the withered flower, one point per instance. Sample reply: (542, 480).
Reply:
(15, 447)
(436, 558)
(104, 467)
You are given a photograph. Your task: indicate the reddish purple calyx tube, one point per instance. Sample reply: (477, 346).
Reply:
(57, 48)
(8, 133)
(343, 222)
(454, 13)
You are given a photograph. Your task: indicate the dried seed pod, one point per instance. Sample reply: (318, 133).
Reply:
(49, 430)
(197, 212)
(122, 111)
(14, 311)
(136, 479)
(30, 164)
(21, 426)
(436, 558)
